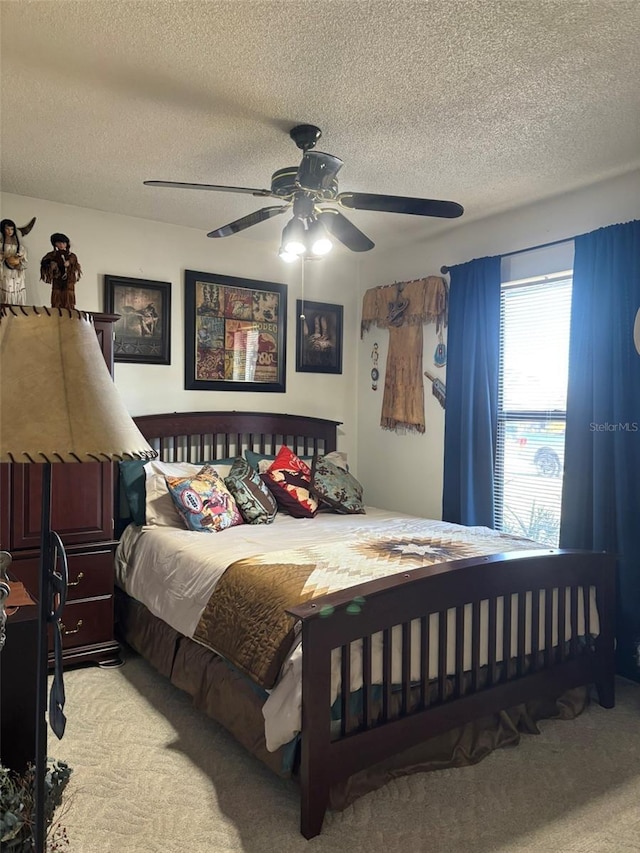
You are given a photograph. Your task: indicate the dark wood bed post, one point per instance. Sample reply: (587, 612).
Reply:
(605, 683)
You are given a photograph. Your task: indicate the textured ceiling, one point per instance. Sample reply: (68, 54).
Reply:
(490, 103)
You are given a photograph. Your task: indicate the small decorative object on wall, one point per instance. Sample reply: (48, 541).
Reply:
(60, 268)
(438, 389)
(375, 373)
(318, 337)
(440, 355)
(143, 332)
(235, 336)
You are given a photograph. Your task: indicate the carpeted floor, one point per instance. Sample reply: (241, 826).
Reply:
(153, 775)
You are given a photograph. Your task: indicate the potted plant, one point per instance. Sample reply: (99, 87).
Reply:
(17, 808)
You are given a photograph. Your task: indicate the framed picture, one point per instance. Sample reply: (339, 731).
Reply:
(143, 332)
(235, 333)
(318, 337)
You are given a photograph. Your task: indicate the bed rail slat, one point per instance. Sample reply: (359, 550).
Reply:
(442, 655)
(406, 667)
(535, 628)
(507, 604)
(345, 691)
(386, 673)
(493, 640)
(586, 596)
(424, 661)
(549, 651)
(459, 674)
(522, 596)
(475, 645)
(574, 622)
(367, 710)
(562, 628)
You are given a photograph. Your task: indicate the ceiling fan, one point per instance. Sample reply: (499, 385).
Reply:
(306, 189)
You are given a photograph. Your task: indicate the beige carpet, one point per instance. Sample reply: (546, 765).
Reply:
(153, 775)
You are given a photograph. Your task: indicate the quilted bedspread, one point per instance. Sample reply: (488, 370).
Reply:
(245, 619)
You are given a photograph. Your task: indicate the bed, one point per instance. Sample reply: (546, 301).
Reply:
(390, 663)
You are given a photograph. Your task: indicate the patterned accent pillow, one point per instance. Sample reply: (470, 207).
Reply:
(336, 487)
(203, 501)
(261, 461)
(289, 480)
(255, 502)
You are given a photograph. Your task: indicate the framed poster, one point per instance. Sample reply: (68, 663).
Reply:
(234, 334)
(143, 332)
(318, 337)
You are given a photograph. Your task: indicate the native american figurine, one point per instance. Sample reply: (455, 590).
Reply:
(13, 262)
(60, 269)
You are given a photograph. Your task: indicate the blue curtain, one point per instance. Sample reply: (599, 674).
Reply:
(473, 343)
(601, 490)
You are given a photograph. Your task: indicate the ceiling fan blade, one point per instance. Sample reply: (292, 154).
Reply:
(247, 221)
(345, 231)
(185, 186)
(401, 204)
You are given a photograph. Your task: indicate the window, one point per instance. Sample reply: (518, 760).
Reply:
(532, 402)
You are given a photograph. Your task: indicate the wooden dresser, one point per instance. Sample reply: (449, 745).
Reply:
(82, 508)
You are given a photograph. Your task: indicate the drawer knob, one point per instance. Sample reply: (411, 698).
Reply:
(66, 631)
(77, 580)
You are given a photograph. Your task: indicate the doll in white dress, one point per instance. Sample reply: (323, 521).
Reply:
(13, 262)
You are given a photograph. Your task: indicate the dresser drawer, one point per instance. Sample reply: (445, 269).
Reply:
(85, 623)
(90, 574)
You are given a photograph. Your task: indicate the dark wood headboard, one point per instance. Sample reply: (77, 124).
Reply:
(193, 436)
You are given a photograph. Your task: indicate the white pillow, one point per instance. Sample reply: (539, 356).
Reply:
(160, 511)
(339, 458)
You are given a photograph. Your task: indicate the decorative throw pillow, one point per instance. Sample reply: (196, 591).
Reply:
(289, 480)
(160, 510)
(336, 487)
(203, 501)
(262, 461)
(255, 502)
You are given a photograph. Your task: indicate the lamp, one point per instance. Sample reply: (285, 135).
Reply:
(58, 403)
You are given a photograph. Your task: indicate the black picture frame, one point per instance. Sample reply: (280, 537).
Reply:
(234, 333)
(318, 337)
(142, 334)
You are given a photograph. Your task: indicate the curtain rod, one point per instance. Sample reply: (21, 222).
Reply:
(445, 270)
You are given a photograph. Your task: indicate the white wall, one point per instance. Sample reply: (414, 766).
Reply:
(120, 245)
(404, 472)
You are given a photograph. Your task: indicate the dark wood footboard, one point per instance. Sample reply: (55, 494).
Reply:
(520, 663)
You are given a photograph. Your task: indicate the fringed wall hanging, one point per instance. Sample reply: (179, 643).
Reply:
(403, 308)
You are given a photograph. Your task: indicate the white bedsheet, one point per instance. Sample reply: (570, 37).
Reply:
(173, 573)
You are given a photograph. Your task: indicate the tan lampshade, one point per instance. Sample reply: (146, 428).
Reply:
(58, 402)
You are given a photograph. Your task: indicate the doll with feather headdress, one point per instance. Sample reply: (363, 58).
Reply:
(60, 268)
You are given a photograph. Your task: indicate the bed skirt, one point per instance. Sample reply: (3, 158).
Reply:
(232, 700)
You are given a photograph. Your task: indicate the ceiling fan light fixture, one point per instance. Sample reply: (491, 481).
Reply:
(287, 257)
(318, 241)
(293, 238)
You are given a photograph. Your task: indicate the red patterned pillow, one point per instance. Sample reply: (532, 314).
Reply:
(289, 480)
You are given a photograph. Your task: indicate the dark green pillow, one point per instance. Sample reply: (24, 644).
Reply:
(132, 483)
